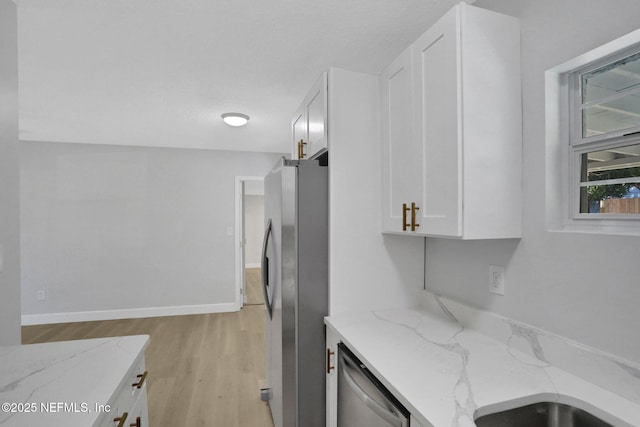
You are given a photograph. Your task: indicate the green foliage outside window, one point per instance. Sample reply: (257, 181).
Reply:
(613, 191)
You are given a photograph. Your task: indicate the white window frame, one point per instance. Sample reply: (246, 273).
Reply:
(564, 141)
(580, 144)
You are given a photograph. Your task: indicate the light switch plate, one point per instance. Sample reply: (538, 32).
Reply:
(496, 279)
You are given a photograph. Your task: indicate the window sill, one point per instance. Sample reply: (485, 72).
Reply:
(600, 226)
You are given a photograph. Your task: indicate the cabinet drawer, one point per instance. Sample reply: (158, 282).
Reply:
(139, 415)
(127, 395)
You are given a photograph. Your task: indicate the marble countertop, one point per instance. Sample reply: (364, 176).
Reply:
(447, 373)
(64, 383)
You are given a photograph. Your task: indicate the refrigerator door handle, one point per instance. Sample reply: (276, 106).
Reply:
(390, 417)
(265, 270)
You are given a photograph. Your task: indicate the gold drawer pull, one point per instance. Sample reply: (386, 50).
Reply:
(120, 420)
(142, 378)
(138, 423)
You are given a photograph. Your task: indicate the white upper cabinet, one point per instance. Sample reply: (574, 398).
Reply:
(309, 124)
(452, 130)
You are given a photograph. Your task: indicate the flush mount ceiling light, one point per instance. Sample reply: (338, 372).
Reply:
(235, 119)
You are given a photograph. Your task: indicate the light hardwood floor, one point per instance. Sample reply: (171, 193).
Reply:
(204, 370)
(254, 286)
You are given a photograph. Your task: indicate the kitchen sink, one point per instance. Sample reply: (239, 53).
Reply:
(542, 414)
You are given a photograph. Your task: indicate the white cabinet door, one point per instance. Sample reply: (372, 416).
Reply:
(332, 379)
(309, 125)
(437, 104)
(401, 152)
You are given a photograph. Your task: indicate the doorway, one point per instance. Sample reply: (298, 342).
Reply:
(249, 234)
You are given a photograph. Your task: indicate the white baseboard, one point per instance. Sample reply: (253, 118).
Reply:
(132, 313)
(254, 265)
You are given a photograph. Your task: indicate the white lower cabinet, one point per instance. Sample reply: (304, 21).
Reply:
(138, 417)
(88, 383)
(332, 379)
(128, 407)
(452, 132)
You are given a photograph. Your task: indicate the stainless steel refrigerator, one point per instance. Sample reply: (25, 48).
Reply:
(295, 283)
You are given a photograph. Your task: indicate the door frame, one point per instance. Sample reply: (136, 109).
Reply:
(240, 292)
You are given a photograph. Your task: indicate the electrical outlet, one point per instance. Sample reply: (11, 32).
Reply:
(496, 279)
(41, 295)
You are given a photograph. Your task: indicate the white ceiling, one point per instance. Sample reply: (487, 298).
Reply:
(160, 72)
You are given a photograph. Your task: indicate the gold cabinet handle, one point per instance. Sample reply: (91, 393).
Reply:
(120, 420)
(405, 209)
(414, 224)
(301, 145)
(329, 367)
(141, 378)
(138, 423)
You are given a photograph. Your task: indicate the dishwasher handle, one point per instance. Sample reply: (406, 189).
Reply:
(392, 418)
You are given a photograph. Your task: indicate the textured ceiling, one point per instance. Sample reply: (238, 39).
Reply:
(160, 72)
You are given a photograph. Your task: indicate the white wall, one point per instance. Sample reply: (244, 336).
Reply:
(584, 287)
(125, 228)
(253, 229)
(368, 270)
(9, 178)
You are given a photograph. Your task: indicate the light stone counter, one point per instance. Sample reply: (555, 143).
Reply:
(448, 364)
(64, 383)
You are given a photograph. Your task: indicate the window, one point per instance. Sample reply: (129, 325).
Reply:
(604, 102)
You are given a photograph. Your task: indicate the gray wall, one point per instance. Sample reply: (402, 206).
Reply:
(584, 287)
(114, 227)
(9, 178)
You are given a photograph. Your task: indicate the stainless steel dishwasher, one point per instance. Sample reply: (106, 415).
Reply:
(362, 400)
